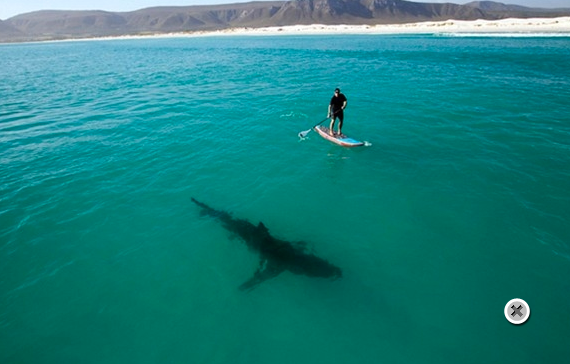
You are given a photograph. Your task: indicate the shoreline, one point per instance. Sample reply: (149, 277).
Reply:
(550, 26)
(516, 27)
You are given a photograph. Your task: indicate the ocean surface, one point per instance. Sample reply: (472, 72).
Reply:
(459, 202)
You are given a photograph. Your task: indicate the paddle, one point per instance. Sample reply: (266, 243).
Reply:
(304, 134)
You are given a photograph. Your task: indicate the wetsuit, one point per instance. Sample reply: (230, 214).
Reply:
(336, 106)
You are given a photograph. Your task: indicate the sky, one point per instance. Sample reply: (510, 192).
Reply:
(9, 8)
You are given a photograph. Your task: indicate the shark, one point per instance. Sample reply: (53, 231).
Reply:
(275, 255)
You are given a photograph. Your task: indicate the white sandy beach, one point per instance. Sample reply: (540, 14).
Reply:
(505, 27)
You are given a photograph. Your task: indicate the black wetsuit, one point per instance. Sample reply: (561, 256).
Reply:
(336, 109)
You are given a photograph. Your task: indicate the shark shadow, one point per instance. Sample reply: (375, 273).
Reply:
(276, 256)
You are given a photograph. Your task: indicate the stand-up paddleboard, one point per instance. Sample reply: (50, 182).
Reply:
(338, 139)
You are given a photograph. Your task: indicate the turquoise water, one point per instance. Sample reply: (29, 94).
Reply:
(459, 204)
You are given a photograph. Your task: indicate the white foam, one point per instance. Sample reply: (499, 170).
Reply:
(507, 35)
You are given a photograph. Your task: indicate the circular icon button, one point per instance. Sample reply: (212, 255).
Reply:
(517, 311)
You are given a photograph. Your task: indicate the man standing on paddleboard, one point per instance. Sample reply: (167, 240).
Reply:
(336, 107)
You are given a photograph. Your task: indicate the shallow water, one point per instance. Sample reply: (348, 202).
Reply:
(459, 204)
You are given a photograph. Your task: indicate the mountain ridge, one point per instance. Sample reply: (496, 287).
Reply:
(62, 24)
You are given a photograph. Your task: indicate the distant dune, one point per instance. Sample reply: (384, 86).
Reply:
(52, 24)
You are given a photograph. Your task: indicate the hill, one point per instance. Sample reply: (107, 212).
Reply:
(52, 24)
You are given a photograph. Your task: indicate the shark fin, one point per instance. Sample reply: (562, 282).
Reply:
(262, 227)
(263, 230)
(265, 271)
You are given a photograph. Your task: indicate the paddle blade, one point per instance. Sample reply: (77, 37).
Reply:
(304, 134)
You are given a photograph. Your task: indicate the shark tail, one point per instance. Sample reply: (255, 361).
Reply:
(201, 204)
(207, 210)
